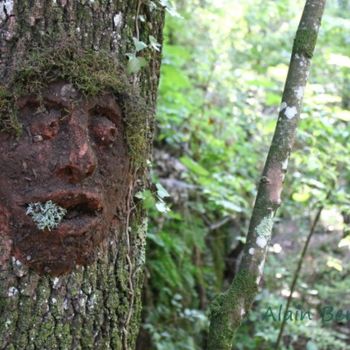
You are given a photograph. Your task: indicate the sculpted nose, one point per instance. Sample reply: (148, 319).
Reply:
(79, 160)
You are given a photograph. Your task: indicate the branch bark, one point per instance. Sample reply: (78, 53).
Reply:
(228, 309)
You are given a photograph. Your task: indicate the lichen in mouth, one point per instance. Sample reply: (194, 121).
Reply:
(46, 215)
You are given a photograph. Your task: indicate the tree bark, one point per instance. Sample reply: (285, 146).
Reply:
(229, 308)
(96, 306)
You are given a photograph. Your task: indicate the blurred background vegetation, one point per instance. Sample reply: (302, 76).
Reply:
(224, 66)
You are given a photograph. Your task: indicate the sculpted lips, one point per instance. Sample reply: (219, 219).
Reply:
(84, 210)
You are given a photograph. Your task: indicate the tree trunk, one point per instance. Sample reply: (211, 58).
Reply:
(95, 304)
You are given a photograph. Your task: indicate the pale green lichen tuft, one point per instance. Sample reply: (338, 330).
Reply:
(46, 215)
(264, 229)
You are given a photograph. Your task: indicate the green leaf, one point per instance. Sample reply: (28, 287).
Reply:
(161, 191)
(229, 205)
(311, 346)
(162, 207)
(335, 264)
(139, 195)
(170, 8)
(154, 43)
(139, 45)
(194, 167)
(135, 64)
(303, 195)
(344, 242)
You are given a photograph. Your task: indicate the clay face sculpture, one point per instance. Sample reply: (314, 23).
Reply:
(72, 152)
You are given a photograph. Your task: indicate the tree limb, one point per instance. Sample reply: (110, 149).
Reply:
(228, 310)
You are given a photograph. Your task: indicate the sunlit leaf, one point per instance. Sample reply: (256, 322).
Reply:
(135, 64)
(339, 60)
(311, 346)
(301, 196)
(161, 191)
(335, 264)
(139, 45)
(344, 242)
(193, 166)
(162, 207)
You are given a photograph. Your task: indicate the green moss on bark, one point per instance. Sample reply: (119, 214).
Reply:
(305, 42)
(228, 309)
(92, 73)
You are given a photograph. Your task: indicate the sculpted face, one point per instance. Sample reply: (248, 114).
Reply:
(72, 151)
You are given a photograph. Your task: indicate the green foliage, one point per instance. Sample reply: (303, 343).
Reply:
(222, 76)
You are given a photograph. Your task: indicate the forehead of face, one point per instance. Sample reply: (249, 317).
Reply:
(66, 96)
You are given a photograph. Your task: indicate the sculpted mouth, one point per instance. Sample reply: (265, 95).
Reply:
(84, 210)
(84, 202)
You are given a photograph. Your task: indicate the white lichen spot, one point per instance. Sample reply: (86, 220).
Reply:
(291, 112)
(68, 91)
(92, 302)
(54, 301)
(13, 291)
(16, 262)
(261, 267)
(55, 282)
(6, 9)
(297, 56)
(242, 312)
(260, 271)
(285, 164)
(82, 301)
(283, 106)
(118, 20)
(299, 92)
(261, 242)
(65, 304)
(251, 251)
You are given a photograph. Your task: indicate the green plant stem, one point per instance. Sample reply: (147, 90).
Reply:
(297, 272)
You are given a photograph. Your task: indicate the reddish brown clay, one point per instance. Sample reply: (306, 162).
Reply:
(72, 151)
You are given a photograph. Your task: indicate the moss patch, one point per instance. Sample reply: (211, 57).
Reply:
(305, 42)
(226, 310)
(92, 73)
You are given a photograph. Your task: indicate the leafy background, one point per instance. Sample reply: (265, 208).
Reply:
(224, 66)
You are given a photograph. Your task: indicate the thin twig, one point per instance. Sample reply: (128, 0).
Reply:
(298, 269)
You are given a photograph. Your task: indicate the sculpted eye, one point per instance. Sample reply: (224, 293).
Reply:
(45, 125)
(104, 130)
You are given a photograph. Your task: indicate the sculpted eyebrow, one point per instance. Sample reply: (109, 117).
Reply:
(53, 102)
(105, 110)
(37, 102)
